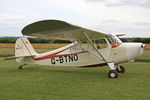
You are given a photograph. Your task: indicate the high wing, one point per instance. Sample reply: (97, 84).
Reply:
(56, 29)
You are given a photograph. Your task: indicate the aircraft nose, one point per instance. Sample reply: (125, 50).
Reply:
(134, 50)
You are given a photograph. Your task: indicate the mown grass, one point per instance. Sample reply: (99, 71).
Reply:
(64, 83)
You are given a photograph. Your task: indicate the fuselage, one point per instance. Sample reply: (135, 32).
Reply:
(74, 55)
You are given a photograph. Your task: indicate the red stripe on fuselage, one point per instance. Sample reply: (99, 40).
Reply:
(55, 55)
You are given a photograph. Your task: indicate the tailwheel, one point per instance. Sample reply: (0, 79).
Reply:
(20, 67)
(120, 69)
(112, 74)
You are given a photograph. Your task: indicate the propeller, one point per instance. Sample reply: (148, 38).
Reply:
(143, 45)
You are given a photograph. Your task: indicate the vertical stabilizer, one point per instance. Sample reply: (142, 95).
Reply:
(24, 48)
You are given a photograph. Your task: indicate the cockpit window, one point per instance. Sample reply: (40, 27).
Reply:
(114, 39)
(101, 43)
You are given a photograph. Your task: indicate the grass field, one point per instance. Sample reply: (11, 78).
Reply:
(62, 83)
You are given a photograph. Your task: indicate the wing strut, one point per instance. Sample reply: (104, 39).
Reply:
(94, 46)
(110, 64)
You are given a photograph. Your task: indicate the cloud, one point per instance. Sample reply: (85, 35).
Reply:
(110, 21)
(130, 3)
(102, 15)
(131, 30)
(143, 23)
(95, 0)
(118, 3)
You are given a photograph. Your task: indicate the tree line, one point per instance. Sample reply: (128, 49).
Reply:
(142, 40)
(33, 40)
(39, 40)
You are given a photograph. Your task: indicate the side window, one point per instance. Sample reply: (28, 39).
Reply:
(101, 43)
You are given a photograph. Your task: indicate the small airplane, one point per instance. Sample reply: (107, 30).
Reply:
(89, 48)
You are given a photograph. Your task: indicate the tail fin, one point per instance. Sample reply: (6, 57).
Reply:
(24, 48)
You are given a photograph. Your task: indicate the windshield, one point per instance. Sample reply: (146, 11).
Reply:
(114, 39)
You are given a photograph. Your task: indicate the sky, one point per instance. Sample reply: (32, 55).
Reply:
(109, 16)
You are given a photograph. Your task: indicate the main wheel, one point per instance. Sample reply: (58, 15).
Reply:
(112, 74)
(121, 69)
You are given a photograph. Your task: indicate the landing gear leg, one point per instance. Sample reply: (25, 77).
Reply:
(112, 73)
(120, 69)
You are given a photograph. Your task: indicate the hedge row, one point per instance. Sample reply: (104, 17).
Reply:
(32, 40)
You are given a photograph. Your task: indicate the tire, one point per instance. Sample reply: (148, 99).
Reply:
(20, 67)
(112, 74)
(122, 69)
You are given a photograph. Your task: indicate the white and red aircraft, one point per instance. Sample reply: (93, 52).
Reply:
(88, 48)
